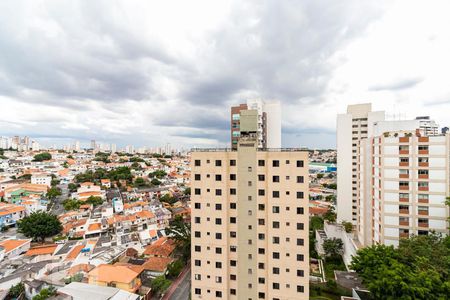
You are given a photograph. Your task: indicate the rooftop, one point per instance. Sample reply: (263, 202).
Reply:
(258, 149)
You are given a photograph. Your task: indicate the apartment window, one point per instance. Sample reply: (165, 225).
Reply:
(232, 205)
(218, 163)
(261, 236)
(300, 257)
(300, 273)
(423, 159)
(198, 291)
(198, 263)
(261, 222)
(300, 164)
(275, 224)
(233, 191)
(300, 179)
(218, 177)
(276, 286)
(218, 250)
(300, 211)
(233, 263)
(233, 234)
(275, 240)
(300, 289)
(249, 169)
(218, 265)
(233, 277)
(197, 248)
(423, 147)
(218, 206)
(261, 280)
(218, 192)
(261, 192)
(276, 178)
(197, 162)
(249, 198)
(261, 163)
(300, 195)
(232, 162)
(275, 270)
(197, 205)
(275, 163)
(218, 294)
(236, 117)
(261, 266)
(423, 197)
(300, 226)
(261, 177)
(300, 242)
(276, 209)
(197, 220)
(218, 221)
(276, 194)
(261, 206)
(422, 184)
(197, 177)
(197, 234)
(233, 291)
(423, 210)
(261, 251)
(232, 177)
(233, 248)
(249, 183)
(249, 212)
(233, 220)
(197, 191)
(423, 172)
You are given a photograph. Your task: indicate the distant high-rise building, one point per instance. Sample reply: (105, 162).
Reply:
(250, 220)
(35, 146)
(113, 148)
(352, 128)
(4, 142)
(77, 146)
(269, 123)
(93, 145)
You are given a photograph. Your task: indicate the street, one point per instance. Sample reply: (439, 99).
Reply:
(183, 289)
(58, 207)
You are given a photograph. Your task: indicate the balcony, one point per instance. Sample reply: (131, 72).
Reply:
(404, 140)
(423, 188)
(424, 139)
(403, 152)
(403, 223)
(423, 164)
(422, 200)
(404, 234)
(423, 152)
(423, 176)
(404, 211)
(404, 164)
(404, 176)
(404, 199)
(423, 224)
(404, 187)
(423, 212)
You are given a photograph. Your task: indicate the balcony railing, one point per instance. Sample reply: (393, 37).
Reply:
(404, 211)
(423, 176)
(423, 225)
(404, 187)
(403, 164)
(423, 188)
(404, 235)
(423, 152)
(423, 164)
(403, 223)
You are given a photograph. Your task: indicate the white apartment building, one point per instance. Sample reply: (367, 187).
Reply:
(41, 179)
(404, 181)
(352, 127)
(249, 220)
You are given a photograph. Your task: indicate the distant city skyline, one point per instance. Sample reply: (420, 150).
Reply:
(142, 79)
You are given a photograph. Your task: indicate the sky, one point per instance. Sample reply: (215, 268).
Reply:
(148, 73)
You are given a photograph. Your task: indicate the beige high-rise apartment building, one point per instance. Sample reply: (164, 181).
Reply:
(249, 220)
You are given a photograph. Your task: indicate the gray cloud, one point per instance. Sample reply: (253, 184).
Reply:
(397, 85)
(83, 55)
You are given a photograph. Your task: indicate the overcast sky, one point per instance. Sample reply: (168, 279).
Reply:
(153, 72)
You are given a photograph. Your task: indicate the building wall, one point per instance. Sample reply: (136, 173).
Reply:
(260, 212)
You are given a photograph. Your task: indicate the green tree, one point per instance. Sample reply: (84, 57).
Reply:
(39, 225)
(175, 268)
(25, 176)
(417, 269)
(316, 223)
(42, 156)
(65, 164)
(16, 290)
(55, 182)
(155, 182)
(180, 231)
(53, 192)
(348, 226)
(333, 247)
(158, 174)
(45, 293)
(139, 182)
(167, 198)
(330, 215)
(187, 191)
(96, 201)
(319, 176)
(72, 187)
(71, 204)
(160, 284)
